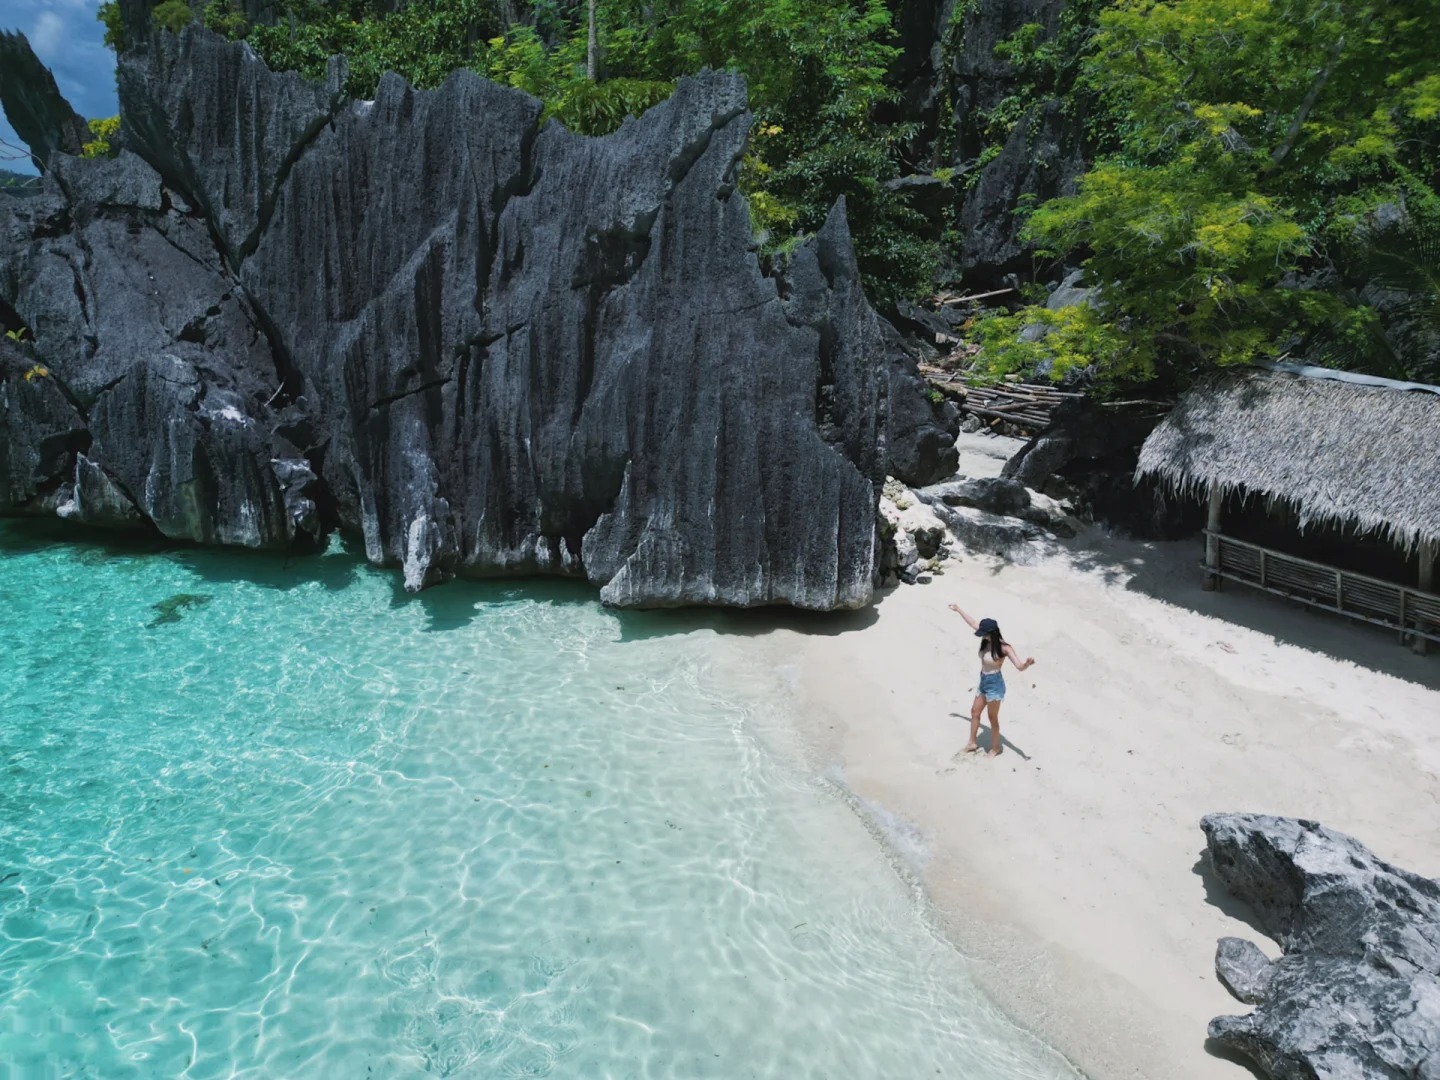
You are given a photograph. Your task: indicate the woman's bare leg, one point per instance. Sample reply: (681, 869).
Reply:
(976, 708)
(996, 746)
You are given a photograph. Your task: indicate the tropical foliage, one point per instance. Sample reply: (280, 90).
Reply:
(1250, 151)
(101, 132)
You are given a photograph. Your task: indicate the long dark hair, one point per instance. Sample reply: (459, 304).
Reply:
(995, 643)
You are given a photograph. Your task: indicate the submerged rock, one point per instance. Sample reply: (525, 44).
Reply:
(483, 346)
(1356, 995)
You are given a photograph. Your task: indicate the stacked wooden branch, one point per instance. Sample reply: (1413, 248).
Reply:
(1025, 405)
(946, 299)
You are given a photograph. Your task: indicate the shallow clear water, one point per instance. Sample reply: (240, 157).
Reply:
(298, 825)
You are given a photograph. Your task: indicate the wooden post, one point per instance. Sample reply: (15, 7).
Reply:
(1426, 585)
(1212, 538)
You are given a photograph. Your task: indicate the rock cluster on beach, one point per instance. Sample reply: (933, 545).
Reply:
(1356, 995)
(482, 345)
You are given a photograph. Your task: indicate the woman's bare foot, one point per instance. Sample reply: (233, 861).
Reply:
(995, 752)
(970, 748)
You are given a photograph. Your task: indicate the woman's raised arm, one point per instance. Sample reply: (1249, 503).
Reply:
(973, 624)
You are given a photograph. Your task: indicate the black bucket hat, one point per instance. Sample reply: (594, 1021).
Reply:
(987, 626)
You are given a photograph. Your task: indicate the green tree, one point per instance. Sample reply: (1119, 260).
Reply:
(816, 72)
(1248, 142)
(172, 15)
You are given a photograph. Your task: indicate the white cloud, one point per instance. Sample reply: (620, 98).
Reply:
(47, 34)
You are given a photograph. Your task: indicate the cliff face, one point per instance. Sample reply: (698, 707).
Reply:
(950, 80)
(483, 346)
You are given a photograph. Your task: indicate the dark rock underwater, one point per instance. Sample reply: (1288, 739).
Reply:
(484, 346)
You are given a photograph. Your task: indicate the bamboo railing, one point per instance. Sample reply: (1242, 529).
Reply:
(1412, 612)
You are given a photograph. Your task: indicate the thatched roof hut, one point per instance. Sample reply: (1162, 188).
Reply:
(1340, 449)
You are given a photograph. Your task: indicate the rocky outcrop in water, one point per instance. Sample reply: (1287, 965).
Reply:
(1356, 995)
(482, 346)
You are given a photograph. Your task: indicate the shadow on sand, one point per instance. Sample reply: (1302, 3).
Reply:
(986, 739)
(1224, 1053)
(1216, 895)
(1170, 571)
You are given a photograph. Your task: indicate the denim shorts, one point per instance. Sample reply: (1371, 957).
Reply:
(992, 686)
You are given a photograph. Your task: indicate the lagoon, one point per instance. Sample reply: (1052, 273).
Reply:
(264, 818)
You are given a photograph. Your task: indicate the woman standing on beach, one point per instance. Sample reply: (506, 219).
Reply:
(993, 651)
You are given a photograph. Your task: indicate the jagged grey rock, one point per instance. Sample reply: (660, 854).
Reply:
(1041, 159)
(1070, 293)
(34, 105)
(1095, 446)
(920, 432)
(951, 80)
(1243, 969)
(995, 514)
(1009, 538)
(993, 494)
(158, 356)
(1356, 995)
(40, 430)
(484, 348)
(220, 127)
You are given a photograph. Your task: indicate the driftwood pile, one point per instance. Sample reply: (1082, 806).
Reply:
(1024, 405)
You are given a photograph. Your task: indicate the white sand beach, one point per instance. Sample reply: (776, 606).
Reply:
(1068, 866)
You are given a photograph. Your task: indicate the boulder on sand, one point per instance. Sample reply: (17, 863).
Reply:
(1356, 995)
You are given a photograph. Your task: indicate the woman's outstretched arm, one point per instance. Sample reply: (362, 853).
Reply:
(1015, 658)
(973, 624)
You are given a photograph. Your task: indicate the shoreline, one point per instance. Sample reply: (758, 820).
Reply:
(1067, 871)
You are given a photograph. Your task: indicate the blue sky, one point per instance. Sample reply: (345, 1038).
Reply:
(70, 42)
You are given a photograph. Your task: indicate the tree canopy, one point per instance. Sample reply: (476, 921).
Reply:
(1251, 153)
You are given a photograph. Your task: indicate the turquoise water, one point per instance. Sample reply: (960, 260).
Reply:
(262, 819)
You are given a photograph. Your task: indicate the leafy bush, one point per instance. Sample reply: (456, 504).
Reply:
(172, 15)
(102, 131)
(1037, 341)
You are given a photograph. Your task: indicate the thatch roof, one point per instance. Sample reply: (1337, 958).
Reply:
(1354, 451)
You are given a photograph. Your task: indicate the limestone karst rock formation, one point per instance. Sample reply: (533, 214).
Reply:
(951, 79)
(483, 345)
(1357, 992)
(34, 105)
